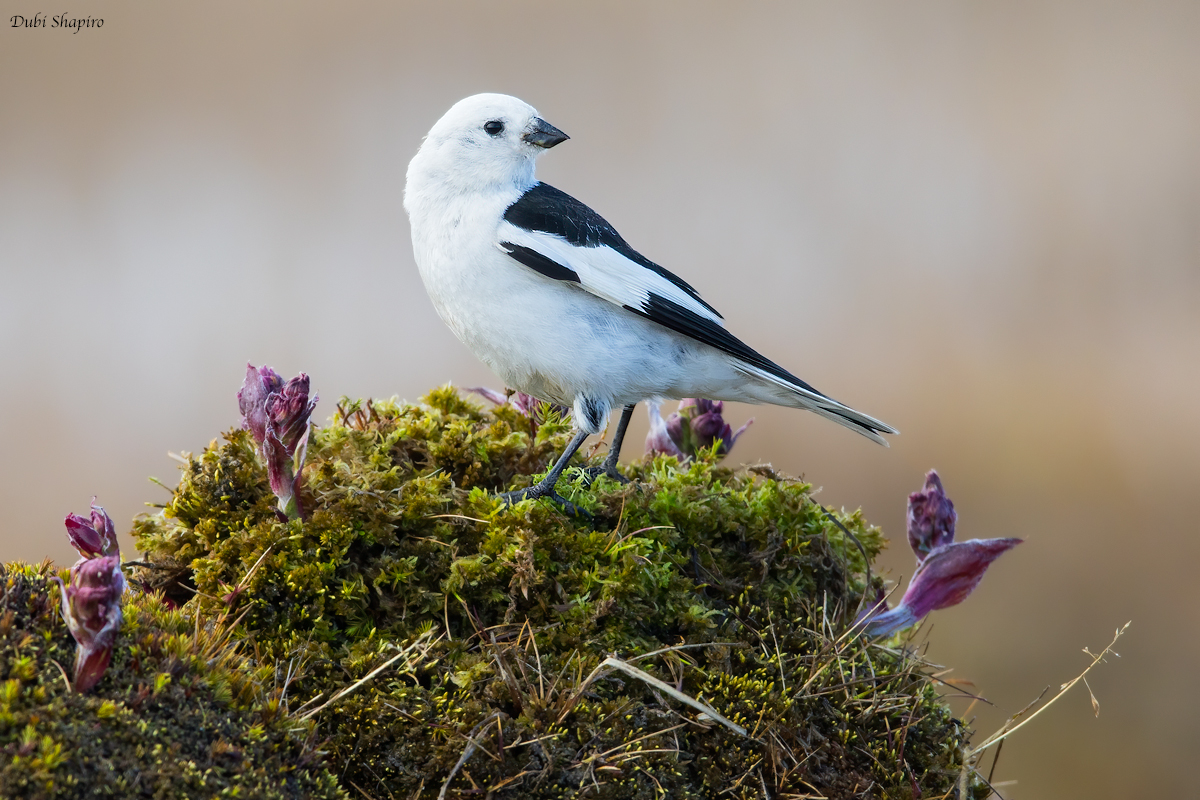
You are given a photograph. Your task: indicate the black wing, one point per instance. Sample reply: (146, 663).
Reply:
(545, 209)
(679, 319)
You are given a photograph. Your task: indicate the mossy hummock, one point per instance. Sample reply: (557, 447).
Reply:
(733, 587)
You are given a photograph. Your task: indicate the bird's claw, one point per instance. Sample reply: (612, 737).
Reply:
(537, 492)
(591, 473)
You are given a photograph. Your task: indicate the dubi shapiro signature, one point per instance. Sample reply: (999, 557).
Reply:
(64, 20)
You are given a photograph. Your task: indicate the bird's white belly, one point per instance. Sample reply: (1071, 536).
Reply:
(553, 339)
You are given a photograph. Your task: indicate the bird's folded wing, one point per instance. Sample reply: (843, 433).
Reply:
(558, 227)
(628, 280)
(600, 270)
(554, 234)
(611, 275)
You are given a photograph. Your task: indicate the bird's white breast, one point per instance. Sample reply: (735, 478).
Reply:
(501, 310)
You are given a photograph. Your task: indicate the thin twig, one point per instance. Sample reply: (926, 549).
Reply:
(456, 516)
(468, 751)
(62, 672)
(634, 672)
(420, 642)
(1005, 731)
(685, 647)
(861, 549)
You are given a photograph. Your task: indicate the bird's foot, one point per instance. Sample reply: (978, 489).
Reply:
(591, 473)
(539, 491)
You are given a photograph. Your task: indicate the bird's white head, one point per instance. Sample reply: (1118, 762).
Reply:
(484, 142)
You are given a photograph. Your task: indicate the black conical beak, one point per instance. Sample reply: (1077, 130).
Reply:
(543, 134)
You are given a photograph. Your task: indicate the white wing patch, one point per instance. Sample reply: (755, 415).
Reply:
(604, 272)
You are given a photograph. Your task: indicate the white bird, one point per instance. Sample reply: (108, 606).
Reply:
(548, 294)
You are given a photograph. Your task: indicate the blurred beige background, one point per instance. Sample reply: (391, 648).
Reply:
(979, 222)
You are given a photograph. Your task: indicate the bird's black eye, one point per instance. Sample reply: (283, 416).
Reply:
(494, 128)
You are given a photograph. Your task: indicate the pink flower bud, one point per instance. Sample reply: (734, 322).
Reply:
(697, 425)
(288, 412)
(659, 439)
(277, 415)
(710, 427)
(91, 607)
(947, 575)
(931, 517)
(260, 384)
(94, 537)
(679, 430)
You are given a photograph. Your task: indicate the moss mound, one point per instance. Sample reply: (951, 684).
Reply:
(734, 588)
(181, 711)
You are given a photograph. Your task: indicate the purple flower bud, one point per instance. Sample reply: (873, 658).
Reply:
(288, 412)
(659, 440)
(95, 537)
(91, 607)
(678, 429)
(931, 517)
(277, 415)
(947, 575)
(696, 426)
(260, 384)
(710, 428)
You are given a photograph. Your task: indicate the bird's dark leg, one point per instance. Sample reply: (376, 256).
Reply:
(545, 487)
(609, 467)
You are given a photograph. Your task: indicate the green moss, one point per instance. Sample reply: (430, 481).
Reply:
(739, 578)
(174, 716)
